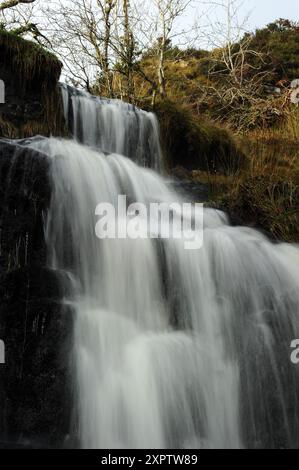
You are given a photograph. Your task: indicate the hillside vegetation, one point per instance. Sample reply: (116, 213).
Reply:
(228, 116)
(255, 174)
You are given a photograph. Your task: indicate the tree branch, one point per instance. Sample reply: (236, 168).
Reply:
(13, 3)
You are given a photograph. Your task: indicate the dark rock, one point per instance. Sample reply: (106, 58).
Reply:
(192, 191)
(33, 102)
(34, 324)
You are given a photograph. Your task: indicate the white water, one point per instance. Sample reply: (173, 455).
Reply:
(172, 348)
(113, 126)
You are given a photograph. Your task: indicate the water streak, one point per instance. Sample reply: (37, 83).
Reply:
(173, 348)
(113, 126)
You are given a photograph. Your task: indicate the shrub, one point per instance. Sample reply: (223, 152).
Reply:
(195, 144)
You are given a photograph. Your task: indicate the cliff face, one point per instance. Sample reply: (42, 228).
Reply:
(34, 325)
(32, 99)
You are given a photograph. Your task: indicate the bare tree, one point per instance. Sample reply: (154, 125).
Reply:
(168, 12)
(18, 17)
(128, 50)
(231, 42)
(127, 46)
(96, 40)
(101, 42)
(80, 32)
(107, 7)
(237, 71)
(13, 3)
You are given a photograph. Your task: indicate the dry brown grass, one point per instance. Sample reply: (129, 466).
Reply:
(266, 193)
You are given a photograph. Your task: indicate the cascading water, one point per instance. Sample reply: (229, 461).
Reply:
(113, 126)
(172, 348)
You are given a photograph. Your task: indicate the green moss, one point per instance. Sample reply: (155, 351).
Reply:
(196, 144)
(34, 66)
(33, 75)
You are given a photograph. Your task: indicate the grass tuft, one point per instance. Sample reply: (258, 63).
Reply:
(192, 143)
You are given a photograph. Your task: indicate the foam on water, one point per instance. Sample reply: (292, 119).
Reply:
(172, 348)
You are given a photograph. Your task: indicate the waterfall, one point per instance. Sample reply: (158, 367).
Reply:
(113, 126)
(173, 348)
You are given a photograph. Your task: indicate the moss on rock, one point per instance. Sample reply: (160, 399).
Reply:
(35, 67)
(195, 144)
(32, 99)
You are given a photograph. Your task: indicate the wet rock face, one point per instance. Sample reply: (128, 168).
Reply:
(36, 328)
(24, 198)
(33, 102)
(19, 108)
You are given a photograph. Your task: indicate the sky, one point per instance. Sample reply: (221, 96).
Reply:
(265, 11)
(260, 12)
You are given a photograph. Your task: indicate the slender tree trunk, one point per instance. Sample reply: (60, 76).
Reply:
(161, 72)
(129, 52)
(154, 94)
(109, 5)
(161, 59)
